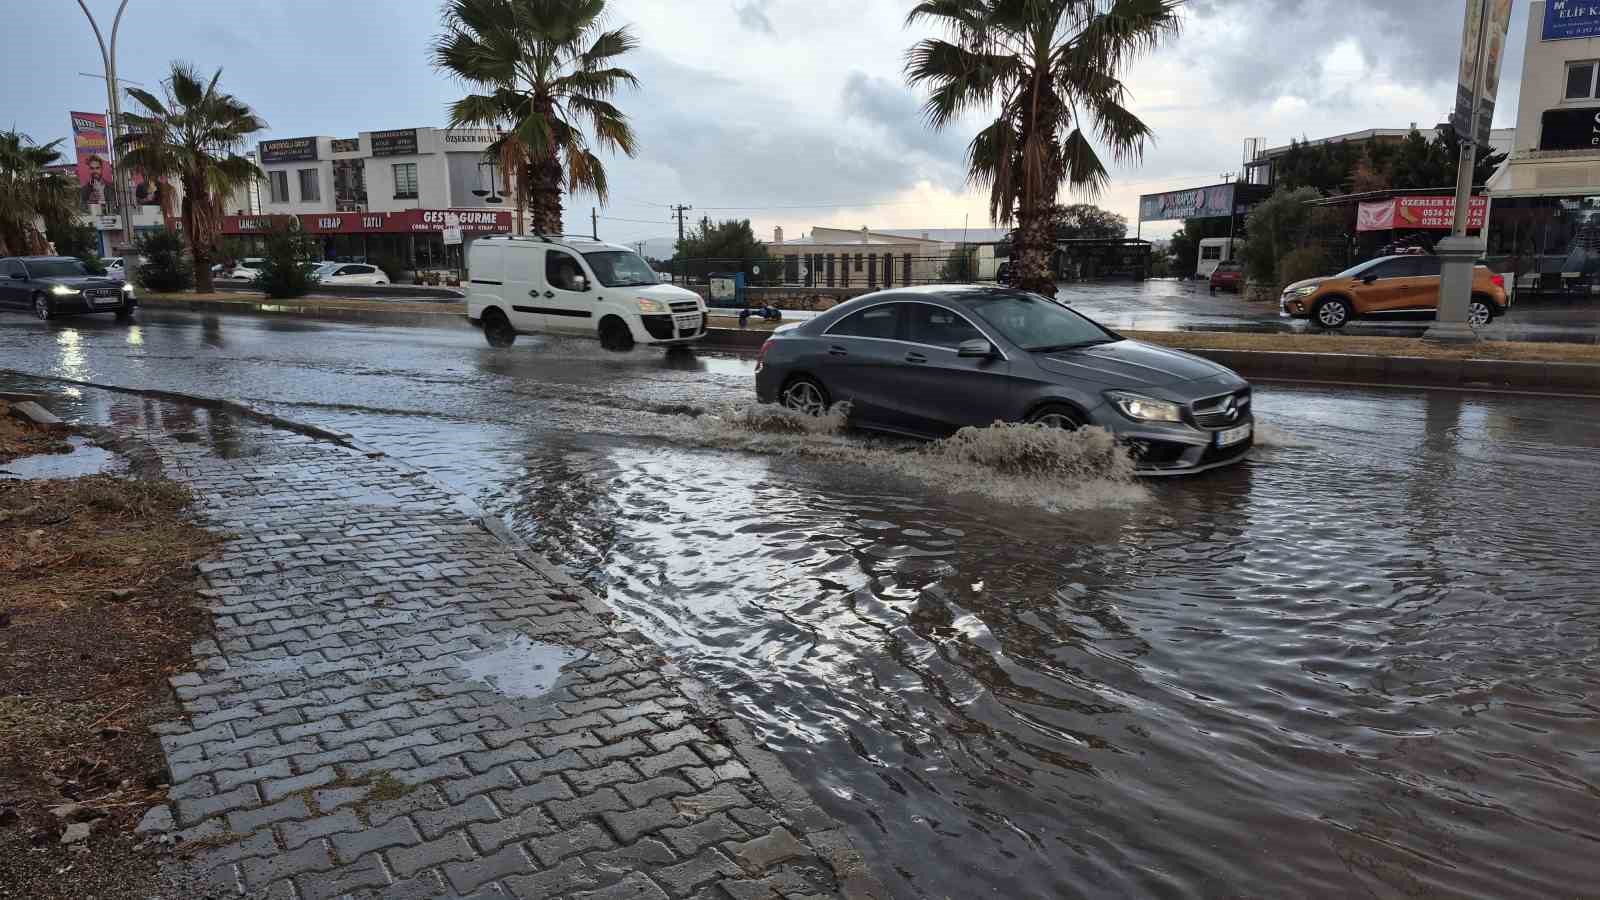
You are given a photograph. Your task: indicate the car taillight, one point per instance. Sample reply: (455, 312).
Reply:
(1499, 280)
(761, 355)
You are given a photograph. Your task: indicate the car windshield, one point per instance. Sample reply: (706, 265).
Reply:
(1036, 324)
(326, 268)
(1358, 268)
(621, 268)
(56, 268)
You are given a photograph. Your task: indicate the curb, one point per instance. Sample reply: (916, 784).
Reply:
(310, 310)
(1405, 371)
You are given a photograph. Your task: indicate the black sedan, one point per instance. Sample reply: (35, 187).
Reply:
(61, 285)
(926, 361)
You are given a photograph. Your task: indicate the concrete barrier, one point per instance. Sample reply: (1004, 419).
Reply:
(1545, 377)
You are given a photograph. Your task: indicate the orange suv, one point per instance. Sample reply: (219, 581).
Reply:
(1389, 285)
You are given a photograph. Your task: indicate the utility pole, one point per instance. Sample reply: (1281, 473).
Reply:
(678, 211)
(594, 223)
(114, 110)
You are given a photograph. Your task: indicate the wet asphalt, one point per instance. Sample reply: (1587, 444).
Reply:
(1363, 663)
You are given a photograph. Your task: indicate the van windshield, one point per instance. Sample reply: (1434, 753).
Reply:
(620, 268)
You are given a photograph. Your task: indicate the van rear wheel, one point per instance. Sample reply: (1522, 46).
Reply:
(497, 329)
(614, 334)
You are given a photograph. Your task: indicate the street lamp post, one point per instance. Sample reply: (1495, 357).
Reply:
(114, 110)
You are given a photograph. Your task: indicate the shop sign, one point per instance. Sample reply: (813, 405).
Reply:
(1565, 20)
(399, 142)
(1419, 214)
(469, 138)
(1483, 50)
(345, 145)
(1200, 203)
(452, 234)
(108, 223)
(252, 224)
(467, 220)
(289, 150)
(1570, 129)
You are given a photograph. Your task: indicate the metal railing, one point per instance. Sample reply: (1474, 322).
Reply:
(836, 271)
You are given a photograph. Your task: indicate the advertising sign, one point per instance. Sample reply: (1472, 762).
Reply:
(411, 220)
(1565, 20)
(469, 138)
(345, 145)
(1570, 129)
(1202, 203)
(90, 141)
(452, 234)
(108, 223)
(400, 142)
(1483, 46)
(1414, 213)
(289, 150)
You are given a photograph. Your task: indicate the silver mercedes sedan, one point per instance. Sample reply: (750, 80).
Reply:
(925, 361)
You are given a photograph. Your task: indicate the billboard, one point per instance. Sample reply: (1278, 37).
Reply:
(400, 142)
(1483, 50)
(300, 149)
(1419, 213)
(90, 141)
(1200, 203)
(1570, 129)
(1565, 20)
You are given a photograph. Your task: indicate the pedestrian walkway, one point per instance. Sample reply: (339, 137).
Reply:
(398, 705)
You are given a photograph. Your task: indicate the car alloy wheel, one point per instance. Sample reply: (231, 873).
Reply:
(1056, 417)
(806, 397)
(41, 306)
(1479, 313)
(1332, 313)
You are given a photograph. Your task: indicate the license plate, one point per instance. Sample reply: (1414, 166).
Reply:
(1234, 435)
(105, 301)
(688, 323)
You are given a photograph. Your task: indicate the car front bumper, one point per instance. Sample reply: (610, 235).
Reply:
(77, 304)
(1175, 449)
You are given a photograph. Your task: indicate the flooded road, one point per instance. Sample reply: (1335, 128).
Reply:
(1364, 663)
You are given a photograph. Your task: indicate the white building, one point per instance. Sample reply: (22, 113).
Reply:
(1546, 198)
(842, 257)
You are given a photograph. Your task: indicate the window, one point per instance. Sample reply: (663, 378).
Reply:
(1212, 252)
(1036, 324)
(10, 267)
(310, 187)
(1580, 80)
(405, 181)
(56, 268)
(938, 326)
(561, 270)
(858, 262)
(620, 268)
(874, 322)
(351, 270)
(1425, 266)
(279, 181)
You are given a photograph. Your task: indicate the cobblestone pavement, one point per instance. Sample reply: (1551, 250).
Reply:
(398, 704)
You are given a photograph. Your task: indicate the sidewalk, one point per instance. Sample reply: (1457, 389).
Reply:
(398, 704)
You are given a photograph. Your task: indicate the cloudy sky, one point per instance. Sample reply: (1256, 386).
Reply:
(786, 112)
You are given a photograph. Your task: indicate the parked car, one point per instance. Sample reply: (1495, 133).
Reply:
(1389, 285)
(335, 273)
(1228, 276)
(115, 268)
(528, 284)
(247, 269)
(925, 361)
(54, 286)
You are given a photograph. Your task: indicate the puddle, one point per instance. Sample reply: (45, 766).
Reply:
(522, 668)
(85, 459)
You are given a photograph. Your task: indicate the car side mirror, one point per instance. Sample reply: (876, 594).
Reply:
(977, 348)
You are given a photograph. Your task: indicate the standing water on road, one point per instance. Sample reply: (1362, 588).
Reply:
(1363, 663)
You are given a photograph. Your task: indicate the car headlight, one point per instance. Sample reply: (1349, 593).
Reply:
(62, 290)
(1306, 291)
(1145, 409)
(127, 289)
(646, 305)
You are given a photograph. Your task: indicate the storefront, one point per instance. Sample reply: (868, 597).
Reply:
(418, 239)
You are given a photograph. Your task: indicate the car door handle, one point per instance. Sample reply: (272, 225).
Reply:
(916, 358)
(549, 295)
(838, 351)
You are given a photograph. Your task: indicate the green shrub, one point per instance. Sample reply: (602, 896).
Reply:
(286, 262)
(1302, 263)
(391, 265)
(165, 267)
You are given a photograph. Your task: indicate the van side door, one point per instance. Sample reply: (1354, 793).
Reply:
(568, 298)
(522, 285)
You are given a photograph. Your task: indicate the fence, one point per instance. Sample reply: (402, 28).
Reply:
(864, 271)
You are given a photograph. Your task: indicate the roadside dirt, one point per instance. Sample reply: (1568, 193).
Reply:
(19, 438)
(97, 610)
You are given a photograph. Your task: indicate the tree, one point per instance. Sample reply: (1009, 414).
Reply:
(1085, 220)
(1282, 224)
(286, 261)
(959, 265)
(72, 238)
(163, 267)
(544, 69)
(730, 239)
(1047, 70)
(192, 133)
(29, 192)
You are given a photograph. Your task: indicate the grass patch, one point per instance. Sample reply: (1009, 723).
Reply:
(1519, 351)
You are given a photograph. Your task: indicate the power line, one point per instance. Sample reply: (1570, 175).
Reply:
(635, 221)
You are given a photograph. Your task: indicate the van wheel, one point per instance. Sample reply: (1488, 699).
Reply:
(497, 329)
(1333, 312)
(614, 334)
(1479, 312)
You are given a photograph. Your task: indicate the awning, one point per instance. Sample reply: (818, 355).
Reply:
(409, 221)
(1548, 175)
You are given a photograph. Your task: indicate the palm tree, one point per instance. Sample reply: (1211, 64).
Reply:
(544, 69)
(1047, 70)
(29, 192)
(192, 134)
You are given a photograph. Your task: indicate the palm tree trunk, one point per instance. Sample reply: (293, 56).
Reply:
(196, 223)
(546, 199)
(1035, 243)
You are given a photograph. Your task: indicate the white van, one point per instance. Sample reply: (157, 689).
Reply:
(1213, 252)
(575, 286)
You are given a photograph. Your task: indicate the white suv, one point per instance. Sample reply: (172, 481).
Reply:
(575, 286)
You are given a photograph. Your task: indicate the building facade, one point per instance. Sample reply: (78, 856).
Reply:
(1546, 200)
(841, 257)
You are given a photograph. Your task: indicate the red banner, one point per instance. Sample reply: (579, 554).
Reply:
(471, 221)
(1414, 213)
